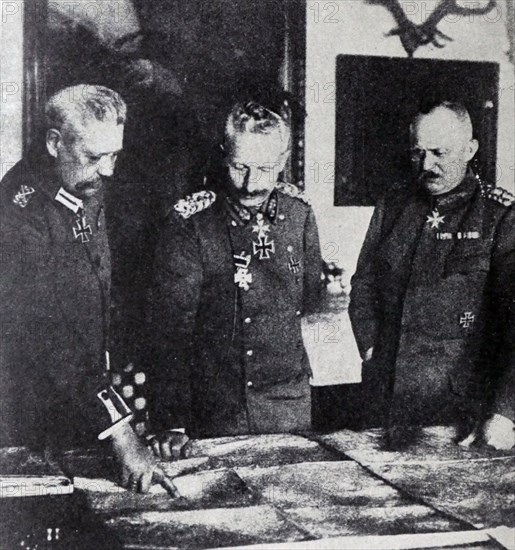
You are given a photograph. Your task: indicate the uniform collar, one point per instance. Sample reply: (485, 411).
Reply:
(458, 196)
(45, 178)
(70, 201)
(42, 170)
(243, 215)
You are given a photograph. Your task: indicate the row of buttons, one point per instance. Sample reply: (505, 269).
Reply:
(250, 352)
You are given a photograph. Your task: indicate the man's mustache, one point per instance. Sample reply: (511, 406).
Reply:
(86, 185)
(251, 194)
(428, 175)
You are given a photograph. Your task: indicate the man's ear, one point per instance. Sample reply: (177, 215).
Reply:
(53, 140)
(283, 159)
(473, 146)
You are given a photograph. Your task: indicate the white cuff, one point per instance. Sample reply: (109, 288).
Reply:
(115, 427)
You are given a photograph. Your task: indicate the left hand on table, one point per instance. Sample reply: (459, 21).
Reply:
(170, 445)
(499, 432)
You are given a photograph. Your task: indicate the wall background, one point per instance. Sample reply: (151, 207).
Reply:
(358, 27)
(333, 27)
(11, 82)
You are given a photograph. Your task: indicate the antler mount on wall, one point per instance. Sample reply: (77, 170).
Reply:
(412, 36)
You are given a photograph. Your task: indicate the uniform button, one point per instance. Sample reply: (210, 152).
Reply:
(297, 313)
(250, 353)
(281, 217)
(248, 320)
(233, 223)
(250, 384)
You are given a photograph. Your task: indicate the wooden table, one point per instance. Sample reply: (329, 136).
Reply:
(338, 490)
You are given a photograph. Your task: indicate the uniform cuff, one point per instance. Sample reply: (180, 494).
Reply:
(116, 412)
(115, 427)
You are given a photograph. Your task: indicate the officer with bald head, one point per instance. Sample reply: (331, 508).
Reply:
(442, 145)
(432, 297)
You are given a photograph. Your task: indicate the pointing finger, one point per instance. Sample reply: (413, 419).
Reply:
(165, 450)
(145, 482)
(156, 448)
(166, 482)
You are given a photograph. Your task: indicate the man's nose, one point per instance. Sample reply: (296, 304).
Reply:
(428, 161)
(252, 178)
(106, 167)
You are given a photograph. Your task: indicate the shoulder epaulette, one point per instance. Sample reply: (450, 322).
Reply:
(192, 204)
(497, 194)
(293, 191)
(23, 195)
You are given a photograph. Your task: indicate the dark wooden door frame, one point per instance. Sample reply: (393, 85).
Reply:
(295, 63)
(34, 72)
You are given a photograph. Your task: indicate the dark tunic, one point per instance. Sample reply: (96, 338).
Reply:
(54, 306)
(231, 287)
(433, 294)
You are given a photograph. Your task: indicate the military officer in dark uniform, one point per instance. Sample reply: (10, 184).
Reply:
(55, 289)
(433, 292)
(235, 271)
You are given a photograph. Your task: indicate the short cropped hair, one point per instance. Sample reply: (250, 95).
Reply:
(459, 110)
(455, 106)
(76, 105)
(256, 118)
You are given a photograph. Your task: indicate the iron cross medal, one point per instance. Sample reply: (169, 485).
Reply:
(82, 231)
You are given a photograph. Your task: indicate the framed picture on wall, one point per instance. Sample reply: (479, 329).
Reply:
(376, 97)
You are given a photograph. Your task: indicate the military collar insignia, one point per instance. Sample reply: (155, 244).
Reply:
(70, 201)
(240, 213)
(272, 207)
(23, 196)
(195, 203)
(243, 215)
